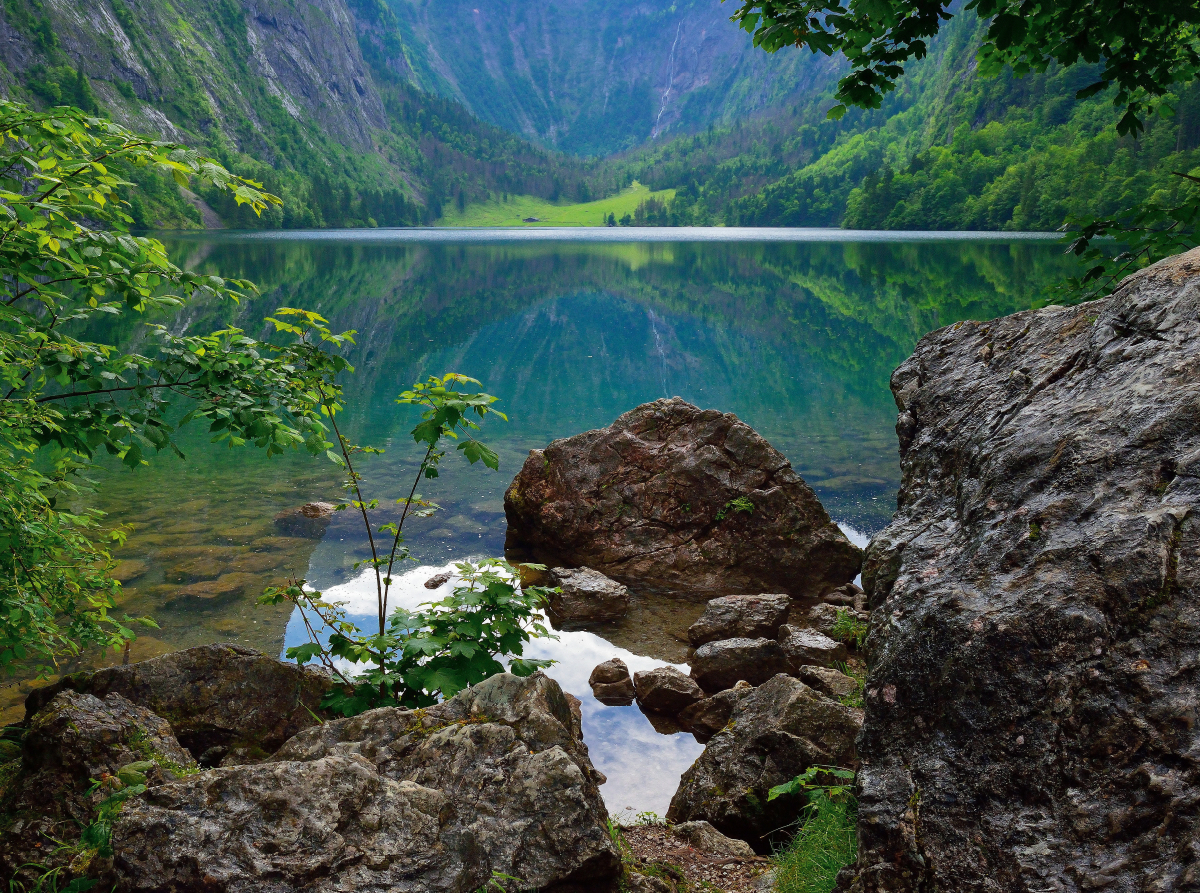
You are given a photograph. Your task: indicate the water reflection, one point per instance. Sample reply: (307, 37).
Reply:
(798, 338)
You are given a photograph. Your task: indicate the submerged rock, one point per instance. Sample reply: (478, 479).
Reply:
(777, 730)
(665, 690)
(719, 665)
(309, 520)
(586, 595)
(492, 780)
(224, 702)
(1034, 669)
(740, 617)
(807, 647)
(611, 683)
(681, 499)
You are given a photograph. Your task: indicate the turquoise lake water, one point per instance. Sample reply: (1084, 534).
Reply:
(794, 331)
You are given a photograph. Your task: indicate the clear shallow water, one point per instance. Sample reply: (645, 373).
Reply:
(796, 332)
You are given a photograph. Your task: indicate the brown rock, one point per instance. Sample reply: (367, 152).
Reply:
(804, 647)
(719, 665)
(586, 595)
(665, 690)
(309, 520)
(611, 683)
(653, 501)
(828, 681)
(740, 617)
(438, 580)
(823, 618)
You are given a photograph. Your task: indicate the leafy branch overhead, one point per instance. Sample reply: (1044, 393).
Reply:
(1141, 49)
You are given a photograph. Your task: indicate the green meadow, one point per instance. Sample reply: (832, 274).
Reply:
(517, 208)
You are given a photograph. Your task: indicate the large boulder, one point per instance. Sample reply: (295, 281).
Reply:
(776, 732)
(740, 617)
(224, 702)
(75, 741)
(492, 780)
(586, 595)
(665, 690)
(1031, 706)
(675, 498)
(719, 665)
(707, 717)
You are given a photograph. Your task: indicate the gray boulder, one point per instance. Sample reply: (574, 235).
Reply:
(707, 839)
(777, 731)
(433, 800)
(586, 595)
(611, 683)
(823, 618)
(807, 647)
(719, 665)
(224, 702)
(665, 690)
(705, 718)
(676, 498)
(75, 740)
(740, 617)
(1034, 670)
(828, 681)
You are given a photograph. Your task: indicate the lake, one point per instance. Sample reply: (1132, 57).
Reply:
(794, 331)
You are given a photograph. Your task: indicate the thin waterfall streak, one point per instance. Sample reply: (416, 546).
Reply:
(662, 354)
(670, 82)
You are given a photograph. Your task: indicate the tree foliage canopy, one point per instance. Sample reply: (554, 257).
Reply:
(67, 258)
(1142, 48)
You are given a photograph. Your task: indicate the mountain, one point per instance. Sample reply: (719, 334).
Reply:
(307, 96)
(592, 77)
(947, 150)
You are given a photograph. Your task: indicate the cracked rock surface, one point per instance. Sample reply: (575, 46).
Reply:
(674, 498)
(1031, 719)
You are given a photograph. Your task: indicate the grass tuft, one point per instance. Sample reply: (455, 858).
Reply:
(823, 846)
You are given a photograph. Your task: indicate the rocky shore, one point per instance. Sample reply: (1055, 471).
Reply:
(1022, 715)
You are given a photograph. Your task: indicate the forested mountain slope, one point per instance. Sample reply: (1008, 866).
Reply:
(947, 150)
(279, 90)
(596, 76)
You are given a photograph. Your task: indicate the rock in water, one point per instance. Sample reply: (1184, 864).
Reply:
(309, 520)
(586, 595)
(776, 732)
(676, 498)
(665, 690)
(1031, 706)
(611, 683)
(224, 702)
(409, 801)
(740, 617)
(720, 665)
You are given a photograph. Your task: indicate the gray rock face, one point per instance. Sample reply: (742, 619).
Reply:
(707, 839)
(587, 595)
(719, 665)
(1034, 669)
(74, 739)
(611, 683)
(224, 702)
(823, 618)
(665, 690)
(705, 718)
(779, 729)
(676, 498)
(807, 647)
(435, 800)
(828, 681)
(740, 617)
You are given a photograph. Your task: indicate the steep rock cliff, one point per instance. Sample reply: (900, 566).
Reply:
(1031, 709)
